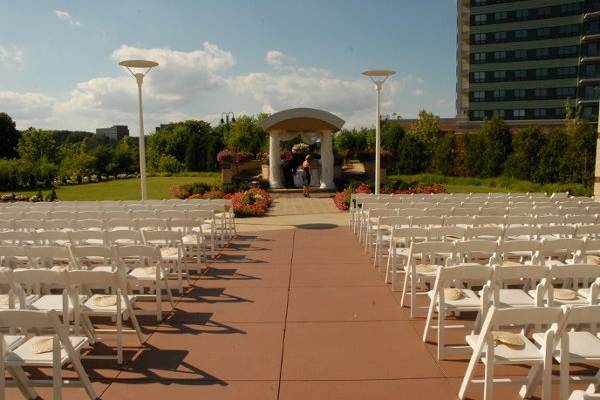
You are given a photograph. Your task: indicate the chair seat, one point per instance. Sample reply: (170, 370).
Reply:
(586, 293)
(12, 341)
(192, 239)
(89, 305)
(504, 354)
(582, 345)
(169, 253)
(515, 297)
(24, 355)
(54, 302)
(579, 300)
(144, 274)
(468, 300)
(30, 298)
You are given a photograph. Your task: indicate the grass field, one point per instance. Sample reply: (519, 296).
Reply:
(128, 189)
(494, 185)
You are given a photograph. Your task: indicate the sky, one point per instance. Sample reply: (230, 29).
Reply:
(59, 59)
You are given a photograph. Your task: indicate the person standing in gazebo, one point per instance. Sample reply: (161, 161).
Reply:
(306, 176)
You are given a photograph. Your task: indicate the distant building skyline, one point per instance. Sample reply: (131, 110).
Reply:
(115, 132)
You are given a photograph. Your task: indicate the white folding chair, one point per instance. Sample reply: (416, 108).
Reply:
(424, 258)
(51, 238)
(399, 241)
(484, 232)
(89, 224)
(123, 237)
(97, 258)
(30, 352)
(50, 257)
(117, 305)
(383, 233)
(170, 244)
(145, 268)
(461, 299)
(475, 251)
(491, 352)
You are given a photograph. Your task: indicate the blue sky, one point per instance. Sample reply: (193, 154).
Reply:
(58, 59)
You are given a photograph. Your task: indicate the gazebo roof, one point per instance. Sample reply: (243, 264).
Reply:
(303, 120)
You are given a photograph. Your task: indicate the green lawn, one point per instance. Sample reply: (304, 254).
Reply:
(494, 185)
(128, 189)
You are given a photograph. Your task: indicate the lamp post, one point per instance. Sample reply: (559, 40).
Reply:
(139, 77)
(378, 77)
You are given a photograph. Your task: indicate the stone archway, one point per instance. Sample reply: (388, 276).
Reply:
(309, 123)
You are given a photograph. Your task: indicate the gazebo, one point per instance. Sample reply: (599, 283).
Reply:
(311, 125)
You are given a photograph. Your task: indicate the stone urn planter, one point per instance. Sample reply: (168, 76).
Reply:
(226, 175)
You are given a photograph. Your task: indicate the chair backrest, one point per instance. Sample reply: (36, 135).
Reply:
(556, 231)
(519, 220)
(29, 225)
(162, 238)
(17, 237)
(51, 238)
(520, 232)
(475, 250)
(489, 211)
(490, 220)
(549, 219)
(560, 247)
(456, 274)
(439, 211)
(123, 237)
(426, 222)
(83, 256)
(119, 214)
(95, 279)
(58, 224)
(33, 277)
(85, 237)
(33, 320)
(515, 248)
(525, 210)
(462, 220)
(445, 233)
(47, 256)
(140, 251)
(143, 214)
(151, 223)
(485, 232)
(64, 215)
(588, 231)
(89, 215)
(519, 317)
(82, 224)
(395, 222)
(169, 213)
(429, 251)
(531, 273)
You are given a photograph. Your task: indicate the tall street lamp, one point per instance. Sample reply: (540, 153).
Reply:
(226, 120)
(378, 76)
(138, 65)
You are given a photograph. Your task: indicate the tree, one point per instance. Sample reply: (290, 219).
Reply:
(474, 153)
(498, 145)
(246, 134)
(126, 156)
(524, 160)
(581, 150)
(36, 145)
(427, 127)
(9, 137)
(411, 155)
(442, 161)
(551, 167)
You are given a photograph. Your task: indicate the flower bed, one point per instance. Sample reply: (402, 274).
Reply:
(246, 203)
(342, 199)
(250, 203)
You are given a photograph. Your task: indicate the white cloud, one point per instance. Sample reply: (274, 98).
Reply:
(11, 55)
(65, 16)
(199, 84)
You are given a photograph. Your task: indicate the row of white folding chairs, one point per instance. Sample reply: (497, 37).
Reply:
(374, 227)
(208, 229)
(52, 250)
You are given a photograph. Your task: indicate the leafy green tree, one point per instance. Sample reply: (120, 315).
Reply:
(169, 164)
(498, 145)
(391, 135)
(9, 137)
(126, 156)
(442, 161)
(474, 155)
(411, 155)
(427, 128)
(36, 144)
(551, 167)
(524, 160)
(246, 134)
(581, 151)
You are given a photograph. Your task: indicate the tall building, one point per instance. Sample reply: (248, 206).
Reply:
(115, 132)
(522, 59)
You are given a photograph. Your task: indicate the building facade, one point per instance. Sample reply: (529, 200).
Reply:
(522, 59)
(115, 132)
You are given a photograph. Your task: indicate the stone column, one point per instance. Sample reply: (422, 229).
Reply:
(326, 161)
(274, 161)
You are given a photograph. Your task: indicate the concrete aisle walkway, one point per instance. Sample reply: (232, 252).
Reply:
(284, 314)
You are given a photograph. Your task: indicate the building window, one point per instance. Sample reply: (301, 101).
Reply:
(498, 113)
(521, 34)
(541, 93)
(480, 38)
(500, 16)
(567, 51)
(519, 93)
(544, 12)
(542, 53)
(520, 74)
(559, 112)
(566, 71)
(588, 112)
(519, 113)
(479, 2)
(589, 71)
(591, 49)
(499, 36)
(522, 14)
(499, 94)
(520, 54)
(479, 96)
(543, 32)
(480, 19)
(479, 57)
(499, 75)
(568, 30)
(541, 73)
(539, 112)
(478, 114)
(565, 92)
(479, 77)
(569, 8)
(500, 55)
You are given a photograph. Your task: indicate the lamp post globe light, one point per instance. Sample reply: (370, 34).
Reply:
(145, 66)
(378, 77)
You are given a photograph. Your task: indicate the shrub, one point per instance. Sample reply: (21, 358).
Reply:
(213, 194)
(250, 203)
(168, 163)
(178, 192)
